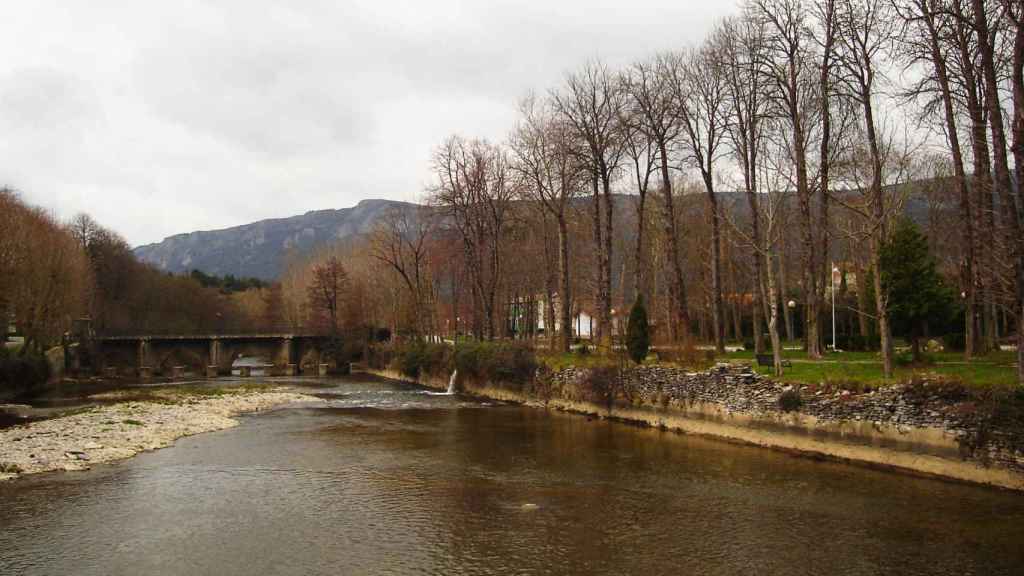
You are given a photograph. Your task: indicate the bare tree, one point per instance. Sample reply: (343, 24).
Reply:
(926, 28)
(962, 54)
(643, 154)
(592, 103)
(787, 57)
(475, 191)
(700, 91)
(742, 43)
(551, 175)
(326, 294)
(1015, 13)
(652, 103)
(866, 30)
(400, 242)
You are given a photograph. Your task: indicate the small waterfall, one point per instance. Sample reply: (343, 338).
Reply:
(451, 382)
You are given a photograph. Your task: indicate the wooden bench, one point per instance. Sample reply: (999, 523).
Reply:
(769, 360)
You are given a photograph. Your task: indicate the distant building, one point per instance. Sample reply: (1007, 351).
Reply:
(524, 321)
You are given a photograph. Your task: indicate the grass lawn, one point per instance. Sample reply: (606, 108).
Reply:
(996, 369)
(845, 369)
(561, 361)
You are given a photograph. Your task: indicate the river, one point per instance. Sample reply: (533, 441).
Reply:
(386, 478)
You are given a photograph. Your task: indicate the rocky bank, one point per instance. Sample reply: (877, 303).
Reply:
(118, 431)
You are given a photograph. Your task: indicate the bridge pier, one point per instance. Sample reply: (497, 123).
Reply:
(213, 366)
(145, 371)
(284, 356)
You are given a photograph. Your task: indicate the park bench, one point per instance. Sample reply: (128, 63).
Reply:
(768, 360)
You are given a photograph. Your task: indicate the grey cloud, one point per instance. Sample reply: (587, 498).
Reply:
(161, 118)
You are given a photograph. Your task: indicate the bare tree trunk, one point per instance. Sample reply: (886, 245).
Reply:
(639, 262)
(812, 338)
(879, 237)
(1003, 185)
(565, 298)
(773, 315)
(953, 136)
(784, 296)
(605, 315)
(599, 257)
(984, 215)
(1017, 81)
(549, 286)
(881, 309)
(995, 117)
(680, 327)
(755, 231)
(828, 24)
(716, 268)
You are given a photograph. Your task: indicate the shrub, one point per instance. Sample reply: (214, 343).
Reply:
(790, 401)
(599, 385)
(379, 357)
(409, 361)
(496, 362)
(687, 356)
(417, 357)
(955, 342)
(638, 335)
(906, 358)
(748, 344)
(858, 343)
(22, 373)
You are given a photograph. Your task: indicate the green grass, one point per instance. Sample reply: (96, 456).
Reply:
(561, 361)
(853, 370)
(132, 422)
(996, 369)
(802, 355)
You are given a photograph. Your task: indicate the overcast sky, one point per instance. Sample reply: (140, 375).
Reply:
(166, 117)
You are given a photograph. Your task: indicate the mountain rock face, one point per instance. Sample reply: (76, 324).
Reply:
(259, 249)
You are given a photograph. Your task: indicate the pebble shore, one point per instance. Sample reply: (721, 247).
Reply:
(118, 431)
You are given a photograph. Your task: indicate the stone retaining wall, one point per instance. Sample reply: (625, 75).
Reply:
(913, 428)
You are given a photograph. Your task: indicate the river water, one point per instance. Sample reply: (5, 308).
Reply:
(386, 478)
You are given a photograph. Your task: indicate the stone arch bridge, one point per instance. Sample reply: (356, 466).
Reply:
(207, 354)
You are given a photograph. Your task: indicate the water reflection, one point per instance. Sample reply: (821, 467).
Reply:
(386, 479)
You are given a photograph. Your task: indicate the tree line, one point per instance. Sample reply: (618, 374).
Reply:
(53, 273)
(735, 185)
(732, 184)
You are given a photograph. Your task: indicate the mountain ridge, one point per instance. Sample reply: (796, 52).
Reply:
(259, 249)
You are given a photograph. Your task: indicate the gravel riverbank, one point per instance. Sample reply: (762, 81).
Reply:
(106, 433)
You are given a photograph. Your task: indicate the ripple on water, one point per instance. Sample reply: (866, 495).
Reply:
(385, 479)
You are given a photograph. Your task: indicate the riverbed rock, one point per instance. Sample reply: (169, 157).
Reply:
(115, 433)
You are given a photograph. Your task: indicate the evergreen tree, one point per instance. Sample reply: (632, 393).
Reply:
(918, 297)
(638, 334)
